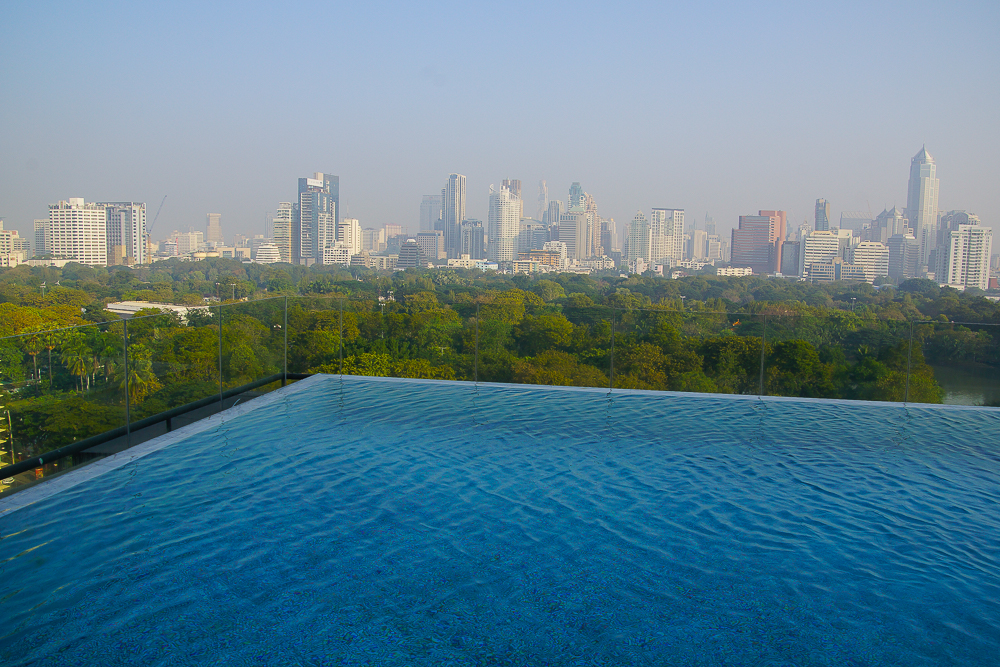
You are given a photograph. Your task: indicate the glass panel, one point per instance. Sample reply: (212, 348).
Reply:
(183, 358)
(691, 350)
(840, 355)
(964, 360)
(314, 334)
(252, 345)
(59, 387)
(423, 337)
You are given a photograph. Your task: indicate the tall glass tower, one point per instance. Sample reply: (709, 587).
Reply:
(315, 218)
(922, 202)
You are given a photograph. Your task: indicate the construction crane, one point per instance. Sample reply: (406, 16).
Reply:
(149, 229)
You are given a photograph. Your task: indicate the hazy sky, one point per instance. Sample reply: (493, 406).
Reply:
(719, 107)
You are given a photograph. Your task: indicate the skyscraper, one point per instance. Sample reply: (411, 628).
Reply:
(757, 241)
(666, 235)
(504, 215)
(213, 228)
(543, 200)
(922, 202)
(78, 230)
(822, 220)
(315, 217)
(968, 261)
(126, 229)
(637, 239)
(452, 214)
(40, 226)
(281, 226)
(473, 239)
(514, 185)
(430, 212)
(575, 196)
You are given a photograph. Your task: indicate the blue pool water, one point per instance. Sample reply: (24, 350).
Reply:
(378, 522)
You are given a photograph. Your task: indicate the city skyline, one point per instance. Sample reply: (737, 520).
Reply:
(663, 123)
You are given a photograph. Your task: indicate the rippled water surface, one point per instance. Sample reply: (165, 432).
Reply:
(366, 521)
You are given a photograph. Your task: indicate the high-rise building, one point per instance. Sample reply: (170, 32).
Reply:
(949, 222)
(551, 217)
(757, 242)
(543, 200)
(39, 228)
(267, 253)
(904, 255)
(967, 255)
(575, 197)
(315, 217)
(887, 224)
(13, 249)
(473, 239)
(574, 233)
(281, 226)
(609, 235)
(821, 247)
(873, 257)
(453, 213)
(710, 225)
(430, 212)
(514, 185)
(349, 233)
(855, 220)
(822, 219)
(504, 216)
(431, 244)
(790, 258)
(188, 242)
(213, 231)
(410, 256)
(78, 230)
(126, 229)
(698, 243)
(666, 236)
(637, 239)
(922, 202)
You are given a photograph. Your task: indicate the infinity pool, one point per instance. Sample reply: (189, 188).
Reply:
(366, 521)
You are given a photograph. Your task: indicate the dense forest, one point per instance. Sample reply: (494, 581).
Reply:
(62, 381)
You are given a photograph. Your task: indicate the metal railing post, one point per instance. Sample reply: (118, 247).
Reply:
(909, 356)
(611, 380)
(763, 342)
(340, 336)
(476, 367)
(220, 356)
(284, 373)
(128, 407)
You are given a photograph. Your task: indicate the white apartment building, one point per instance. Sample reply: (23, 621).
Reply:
(969, 249)
(666, 236)
(873, 257)
(349, 233)
(11, 250)
(503, 225)
(338, 253)
(267, 253)
(822, 247)
(637, 239)
(281, 229)
(78, 231)
(188, 242)
(734, 271)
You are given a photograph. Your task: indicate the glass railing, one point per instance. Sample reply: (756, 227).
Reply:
(77, 394)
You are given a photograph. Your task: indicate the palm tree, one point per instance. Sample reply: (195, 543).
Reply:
(141, 381)
(33, 345)
(51, 340)
(76, 357)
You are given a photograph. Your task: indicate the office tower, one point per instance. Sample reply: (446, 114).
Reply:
(714, 249)
(126, 229)
(710, 228)
(698, 243)
(430, 212)
(502, 224)
(873, 257)
(315, 217)
(822, 219)
(410, 256)
(575, 197)
(821, 247)
(965, 251)
(573, 232)
(922, 202)
(514, 185)
(213, 232)
(904, 257)
(431, 244)
(637, 239)
(790, 258)
(609, 236)
(39, 228)
(349, 233)
(531, 235)
(281, 227)
(757, 242)
(666, 236)
(78, 231)
(373, 240)
(594, 248)
(887, 224)
(855, 220)
(473, 239)
(188, 242)
(551, 217)
(453, 213)
(543, 201)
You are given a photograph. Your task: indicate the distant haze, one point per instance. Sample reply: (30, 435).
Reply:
(724, 107)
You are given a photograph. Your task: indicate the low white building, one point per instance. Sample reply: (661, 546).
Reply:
(734, 271)
(126, 309)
